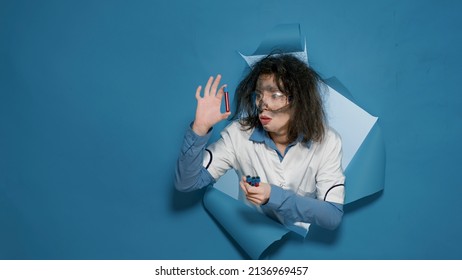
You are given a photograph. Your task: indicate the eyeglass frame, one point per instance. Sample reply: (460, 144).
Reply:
(275, 94)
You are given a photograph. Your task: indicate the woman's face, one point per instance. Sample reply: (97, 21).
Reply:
(273, 104)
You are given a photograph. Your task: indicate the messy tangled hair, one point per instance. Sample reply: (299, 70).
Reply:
(295, 79)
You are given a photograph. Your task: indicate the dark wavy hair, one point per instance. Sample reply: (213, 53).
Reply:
(297, 80)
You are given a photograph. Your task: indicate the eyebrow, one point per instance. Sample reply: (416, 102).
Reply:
(269, 88)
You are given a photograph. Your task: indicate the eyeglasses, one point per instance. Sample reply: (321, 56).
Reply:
(274, 99)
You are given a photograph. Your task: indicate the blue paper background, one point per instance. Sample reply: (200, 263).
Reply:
(95, 98)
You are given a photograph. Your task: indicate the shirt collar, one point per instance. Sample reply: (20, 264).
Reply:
(259, 135)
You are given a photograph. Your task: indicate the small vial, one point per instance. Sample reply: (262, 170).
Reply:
(226, 99)
(247, 179)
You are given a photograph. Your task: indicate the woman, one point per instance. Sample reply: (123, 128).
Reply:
(279, 134)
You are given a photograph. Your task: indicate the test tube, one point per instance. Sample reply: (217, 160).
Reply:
(226, 99)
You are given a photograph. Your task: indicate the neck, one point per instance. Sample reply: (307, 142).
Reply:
(279, 138)
(281, 142)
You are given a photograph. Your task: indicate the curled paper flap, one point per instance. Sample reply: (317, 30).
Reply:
(349, 120)
(366, 171)
(363, 146)
(253, 231)
(284, 38)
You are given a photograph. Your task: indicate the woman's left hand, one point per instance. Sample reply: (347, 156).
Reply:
(257, 195)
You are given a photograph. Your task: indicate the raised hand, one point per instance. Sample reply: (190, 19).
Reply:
(208, 111)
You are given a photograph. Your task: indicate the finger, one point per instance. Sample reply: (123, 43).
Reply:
(213, 90)
(198, 92)
(254, 191)
(243, 180)
(207, 86)
(244, 189)
(224, 116)
(221, 91)
(256, 197)
(254, 200)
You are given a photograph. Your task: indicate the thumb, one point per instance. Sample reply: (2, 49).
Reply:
(224, 116)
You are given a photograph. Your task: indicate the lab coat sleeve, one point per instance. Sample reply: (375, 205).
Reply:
(221, 154)
(190, 173)
(330, 178)
(291, 208)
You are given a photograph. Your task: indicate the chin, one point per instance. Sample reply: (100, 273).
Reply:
(268, 128)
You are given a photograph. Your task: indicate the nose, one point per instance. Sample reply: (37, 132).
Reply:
(262, 105)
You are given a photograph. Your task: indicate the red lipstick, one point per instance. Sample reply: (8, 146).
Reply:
(265, 120)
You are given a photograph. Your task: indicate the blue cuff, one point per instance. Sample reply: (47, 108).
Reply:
(291, 208)
(277, 197)
(191, 139)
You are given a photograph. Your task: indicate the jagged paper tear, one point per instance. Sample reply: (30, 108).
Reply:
(363, 156)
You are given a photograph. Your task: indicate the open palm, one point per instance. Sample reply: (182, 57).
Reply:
(208, 111)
